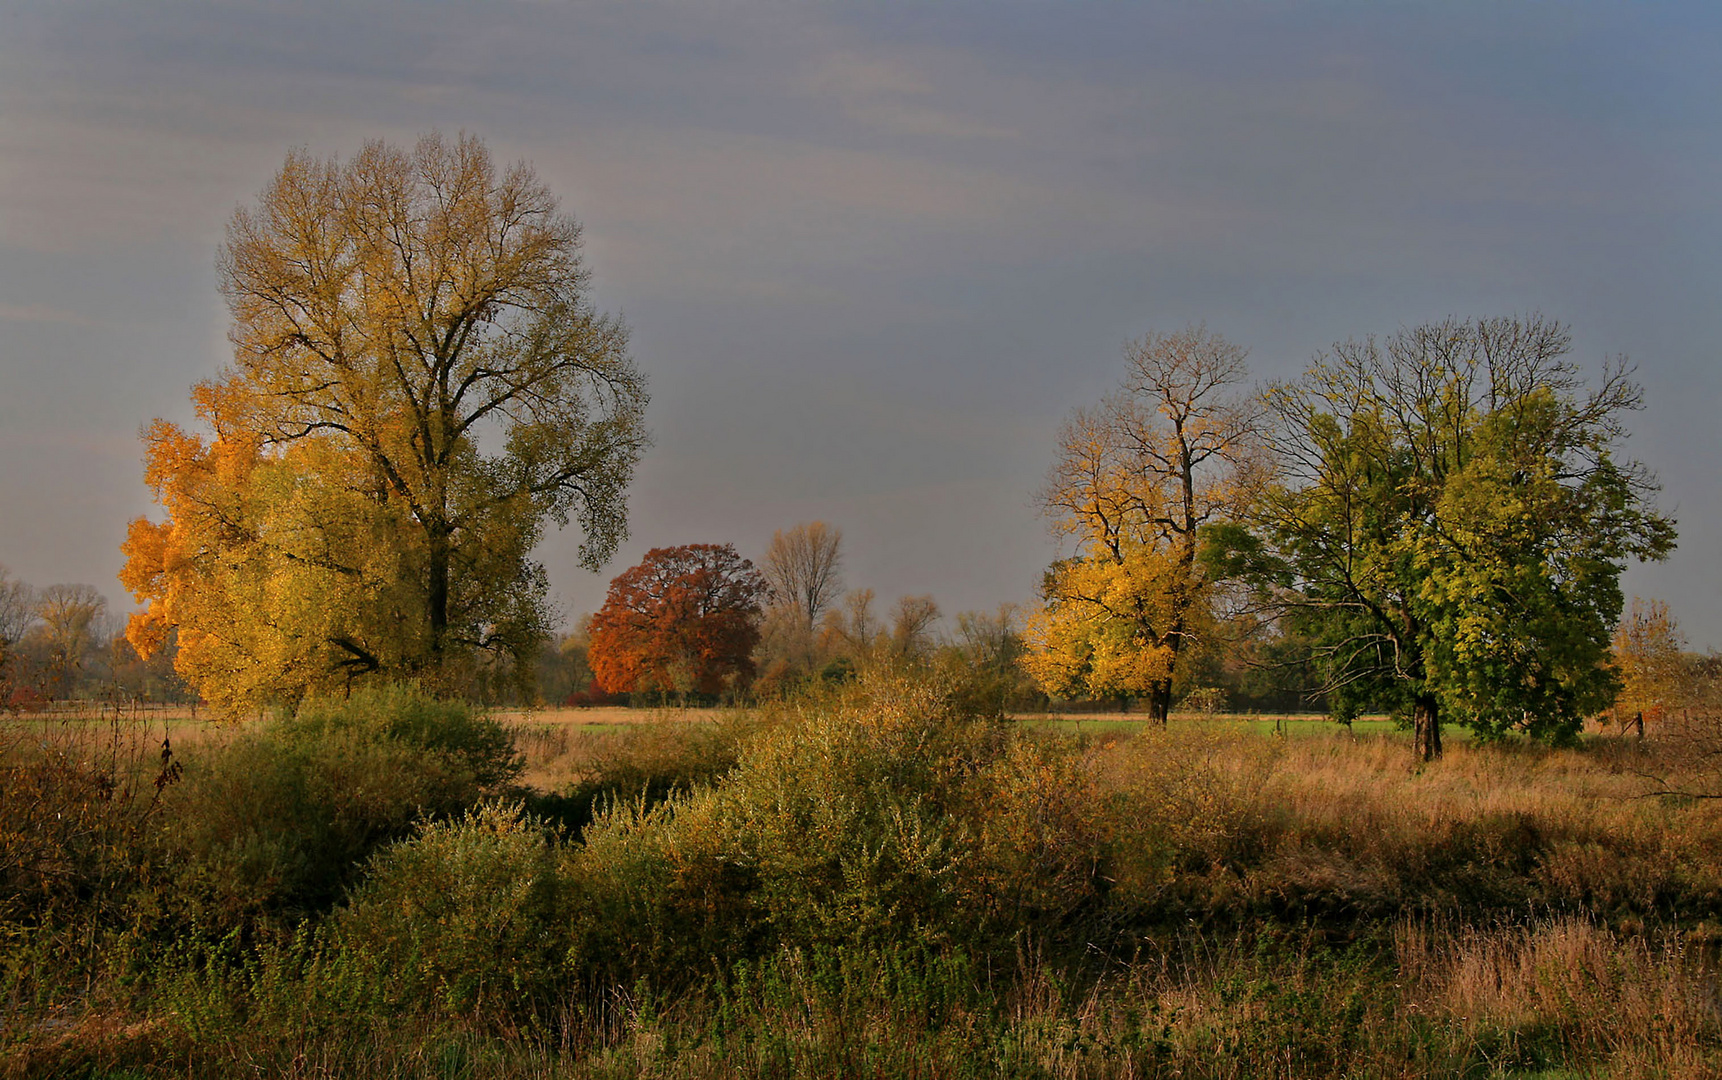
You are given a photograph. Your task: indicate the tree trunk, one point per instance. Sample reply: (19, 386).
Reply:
(436, 594)
(1426, 727)
(1160, 698)
(1160, 702)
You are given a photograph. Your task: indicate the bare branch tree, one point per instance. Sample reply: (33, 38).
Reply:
(912, 619)
(804, 568)
(17, 609)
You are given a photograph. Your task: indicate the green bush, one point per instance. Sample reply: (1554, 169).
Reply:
(474, 749)
(461, 919)
(275, 823)
(880, 814)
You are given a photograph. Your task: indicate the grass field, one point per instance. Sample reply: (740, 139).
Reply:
(559, 744)
(864, 883)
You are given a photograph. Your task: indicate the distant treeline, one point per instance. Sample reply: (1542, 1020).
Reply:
(61, 642)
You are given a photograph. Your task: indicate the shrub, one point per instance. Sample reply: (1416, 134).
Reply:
(1189, 814)
(276, 822)
(1040, 835)
(866, 816)
(461, 919)
(476, 749)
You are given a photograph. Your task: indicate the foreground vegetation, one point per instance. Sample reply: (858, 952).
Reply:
(865, 881)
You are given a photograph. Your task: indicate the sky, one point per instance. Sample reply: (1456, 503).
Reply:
(872, 254)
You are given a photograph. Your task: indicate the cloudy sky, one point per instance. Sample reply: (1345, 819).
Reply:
(873, 253)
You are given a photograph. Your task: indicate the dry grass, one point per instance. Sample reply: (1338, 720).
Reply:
(562, 748)
(1308, 906)
(1352, 827)
(1645, 1008)
(1559, 997)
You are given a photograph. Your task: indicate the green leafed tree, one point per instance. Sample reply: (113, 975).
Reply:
(1450, 524)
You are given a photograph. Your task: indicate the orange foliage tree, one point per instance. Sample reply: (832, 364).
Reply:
(278, 576)
(686, 619)
(420, 382)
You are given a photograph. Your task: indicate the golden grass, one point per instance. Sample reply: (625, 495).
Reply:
(563, 747)
(607, 716)
(1645, 1008)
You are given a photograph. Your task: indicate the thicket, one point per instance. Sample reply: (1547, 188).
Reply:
(867, 879)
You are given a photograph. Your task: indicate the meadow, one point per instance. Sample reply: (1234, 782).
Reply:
(864, 880)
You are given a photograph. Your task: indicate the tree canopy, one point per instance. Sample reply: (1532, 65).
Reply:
(420, 381)
(685, 620)
(1450, 526)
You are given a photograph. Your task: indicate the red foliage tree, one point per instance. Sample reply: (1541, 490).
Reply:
(685, 619)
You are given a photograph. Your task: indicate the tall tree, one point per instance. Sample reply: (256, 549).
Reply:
(1453, 523)
(991, 640)
(1136, 481)
(851, 632)
(71, 618)
(913, 619)
(17, 612)
(686, 619)
(988, 649)
(420, 382)
(17, 608)
(804, 568)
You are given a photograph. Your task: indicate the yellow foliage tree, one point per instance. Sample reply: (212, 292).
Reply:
(419, 382)
(1135, 481)
(1648, 651)
(280, 577)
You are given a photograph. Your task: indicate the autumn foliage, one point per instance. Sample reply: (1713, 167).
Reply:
(686, 619)
(1654, 669)
(278, 576)
(1136, 480)
(420, 384)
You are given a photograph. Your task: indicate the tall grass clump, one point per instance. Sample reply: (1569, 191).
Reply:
(77, 793)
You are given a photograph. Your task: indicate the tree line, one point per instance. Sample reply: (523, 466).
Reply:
(698, 622)
(60, 641)
(1430, 524)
